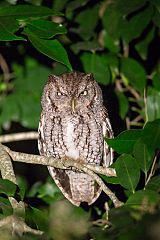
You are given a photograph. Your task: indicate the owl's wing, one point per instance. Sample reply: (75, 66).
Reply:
(107, 133)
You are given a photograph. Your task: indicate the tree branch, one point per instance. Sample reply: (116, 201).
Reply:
(18, 137)
(15, 223)
(68, 163)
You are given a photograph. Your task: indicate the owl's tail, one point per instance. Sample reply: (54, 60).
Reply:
(83, 187)
(76, 186)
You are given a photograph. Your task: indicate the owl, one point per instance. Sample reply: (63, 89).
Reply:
(73, 124)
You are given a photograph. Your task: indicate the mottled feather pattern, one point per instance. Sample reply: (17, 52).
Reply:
(73, 124)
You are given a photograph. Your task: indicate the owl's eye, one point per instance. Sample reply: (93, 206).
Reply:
(60, 94)
(84, 93)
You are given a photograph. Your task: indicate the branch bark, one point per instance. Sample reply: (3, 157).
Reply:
(18, 137)
(15, 223)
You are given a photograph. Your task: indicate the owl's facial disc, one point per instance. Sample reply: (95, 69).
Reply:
(72, 93)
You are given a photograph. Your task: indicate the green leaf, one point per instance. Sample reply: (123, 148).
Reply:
(7, 187)
(29, 105)
(152, 104)
(125, 141)
(156, 3)
(112, 180)
(154, 184)
(143, 45)
(133, 28)
(156, 18)
(121, 218)
(112, 44)
(72, 6)
(59, 69)
(96, 64)
(23, 186)
(34, 189)
(143, 157)
(118, 24)
(51, 48)
(123, 104)
(134, 72)
(141, 197)
(87, 21)
(126, 7)
(111, 20)
(58, 5)
(48, 191)
(113, 62)
(151, 135)
(28, 98)
(8, 26)
(45, 29)
(24, 101)
(26, 11)
(128, 172)
(86, 46)
(40, 218)
(156, 81)
(49, 188)
(6, 206)
(10, 111)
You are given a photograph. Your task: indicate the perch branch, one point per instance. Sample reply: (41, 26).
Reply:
(6, 167)
(67, 163)
(15, 222)
(17, 226)
(57, 163)
(18, 136)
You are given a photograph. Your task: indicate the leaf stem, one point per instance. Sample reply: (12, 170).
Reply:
(145, 106)
(152, 168)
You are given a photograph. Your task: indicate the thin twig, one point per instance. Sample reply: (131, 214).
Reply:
(145, 106)
(127, 123)
(137, 119)
(133, 92)
(118, 84)
(3, 64)
(18, 136)
(137, 124)
(152, 169)
(125, 50)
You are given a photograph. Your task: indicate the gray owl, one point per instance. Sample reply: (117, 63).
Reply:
(73, 124)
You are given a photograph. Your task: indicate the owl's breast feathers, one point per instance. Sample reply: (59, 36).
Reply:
(78, 137)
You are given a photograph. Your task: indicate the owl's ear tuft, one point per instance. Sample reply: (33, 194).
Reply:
(52, 78)
(89, 76)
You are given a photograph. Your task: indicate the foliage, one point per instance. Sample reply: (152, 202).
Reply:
(118, 41)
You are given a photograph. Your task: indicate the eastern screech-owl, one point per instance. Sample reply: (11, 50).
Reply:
(73, 124)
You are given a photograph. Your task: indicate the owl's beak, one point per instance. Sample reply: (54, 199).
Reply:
(73, 104)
